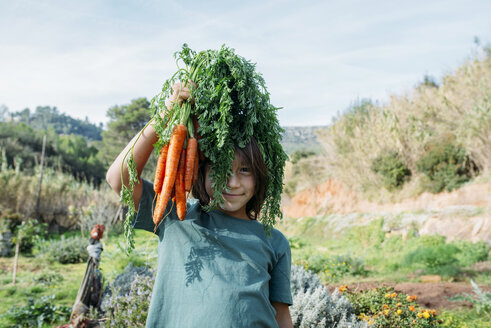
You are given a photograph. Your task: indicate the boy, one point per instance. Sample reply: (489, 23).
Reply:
(216, 268)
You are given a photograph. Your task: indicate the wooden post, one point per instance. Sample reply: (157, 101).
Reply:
(16, 258)
(40, 176)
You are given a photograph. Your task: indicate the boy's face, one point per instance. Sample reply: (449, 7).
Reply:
(241, 189)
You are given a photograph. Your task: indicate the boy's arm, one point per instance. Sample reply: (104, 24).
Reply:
(283, 317)
(141, 151)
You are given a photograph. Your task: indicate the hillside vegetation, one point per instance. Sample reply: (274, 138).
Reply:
(434, 138)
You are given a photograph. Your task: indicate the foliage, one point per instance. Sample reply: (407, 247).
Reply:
(128, 305)
(299, 154)
(446, 165)
(460, 105)
(37, 312)
(392, 168)
(304, 171)
(45, 117)
(66, 250)
(29, 232)
(125, 121)
(49, 278)
(383, 307)
(122, 283)
(470, 253)
(333, 268)
(439, 259)
(59, 193)
(70, 153)
(481, 300)
(232, 104)
(314, 306)
(10, 220)
(371, 234)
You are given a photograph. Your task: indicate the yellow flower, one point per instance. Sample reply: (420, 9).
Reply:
(394, 294)
(343, 288)
(398, 304)
(386, 312)
(411, 308)
(387, 295)
(426, 314)
(370, 322)
(420, 315)
(399, 312)
(385, 306)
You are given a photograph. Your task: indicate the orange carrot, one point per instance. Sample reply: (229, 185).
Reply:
(160, 170)
(175, 147)
(180, 191)
(173, 195)
(189, 167)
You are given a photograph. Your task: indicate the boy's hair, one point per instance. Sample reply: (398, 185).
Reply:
(251, 155)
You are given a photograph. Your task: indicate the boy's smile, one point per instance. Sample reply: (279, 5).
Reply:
(241, 185)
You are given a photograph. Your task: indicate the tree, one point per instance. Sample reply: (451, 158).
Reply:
(125, 122)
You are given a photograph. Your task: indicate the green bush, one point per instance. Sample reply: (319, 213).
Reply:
(439, 259)
(37, 312)
(392, 168)
(66, 250)
(49, 278)
(431, 240)
(446, 164)
(370, 235)
(333, 268)
(470, 252)
(299, 154)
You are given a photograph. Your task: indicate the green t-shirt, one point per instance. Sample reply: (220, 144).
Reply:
(215, 270)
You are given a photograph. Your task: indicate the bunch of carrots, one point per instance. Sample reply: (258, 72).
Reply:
(177, 168)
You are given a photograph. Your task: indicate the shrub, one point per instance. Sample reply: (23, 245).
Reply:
(37, 312)
(370, 235)
(440, 259)
(481, 299)
(123, 281)
(446, 164)
(470, 252)
(49, 278)
(299, 154)
(128, 300)
(333, 268)
(393, 169)
(66, 250)
(383, 307)
(314, 306)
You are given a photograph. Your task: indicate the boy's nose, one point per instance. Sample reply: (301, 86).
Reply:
(233, 181)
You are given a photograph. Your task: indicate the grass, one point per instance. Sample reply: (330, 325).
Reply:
(113, 262)
(339, 248)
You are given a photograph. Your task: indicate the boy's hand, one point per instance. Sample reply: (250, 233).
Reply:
(180, 93)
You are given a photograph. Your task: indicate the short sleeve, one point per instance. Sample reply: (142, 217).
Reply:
(279, 285)
(143, 219)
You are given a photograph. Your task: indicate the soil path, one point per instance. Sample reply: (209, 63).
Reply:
(432, 295)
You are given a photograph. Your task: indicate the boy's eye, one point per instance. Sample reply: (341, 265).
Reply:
(245, 169)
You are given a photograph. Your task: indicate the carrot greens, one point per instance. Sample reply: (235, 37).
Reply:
(231, 104)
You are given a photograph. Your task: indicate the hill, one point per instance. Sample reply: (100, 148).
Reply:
(301, 138)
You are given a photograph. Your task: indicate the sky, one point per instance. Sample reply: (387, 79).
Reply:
(317, 57)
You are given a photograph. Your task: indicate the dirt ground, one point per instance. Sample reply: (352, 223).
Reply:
(432, 295)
